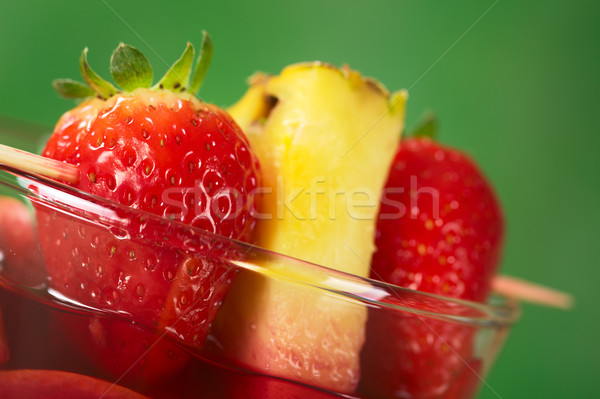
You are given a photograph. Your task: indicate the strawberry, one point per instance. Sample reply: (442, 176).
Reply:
(158, 150)
(440, 230)
(449, 241)
(20, 257)
(50, 384)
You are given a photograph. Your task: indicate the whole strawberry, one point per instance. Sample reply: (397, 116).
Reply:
(446, 237)
(20, 258)
(440, 230)
(157, 149)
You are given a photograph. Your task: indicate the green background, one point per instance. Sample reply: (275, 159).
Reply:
(516, 87)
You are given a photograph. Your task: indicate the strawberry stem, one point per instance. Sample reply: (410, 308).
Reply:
(204, 58)
(68, 88)
(129, 68)
(427, 127)
(102, 88)
(178, 76)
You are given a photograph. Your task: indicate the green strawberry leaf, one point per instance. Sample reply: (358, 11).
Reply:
(427, 127)
(129, 68)
(178, 76)
(100, 86)
(68, 88)
(204, 58)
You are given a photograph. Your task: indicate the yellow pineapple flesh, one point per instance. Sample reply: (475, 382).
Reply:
(325, 138)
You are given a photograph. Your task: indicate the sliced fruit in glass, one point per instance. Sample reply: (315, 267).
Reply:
(47, 329)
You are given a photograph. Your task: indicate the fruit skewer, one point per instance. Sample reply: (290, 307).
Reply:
(505, 285)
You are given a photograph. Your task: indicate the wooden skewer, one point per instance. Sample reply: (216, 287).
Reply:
(530, 292)
(38, 165)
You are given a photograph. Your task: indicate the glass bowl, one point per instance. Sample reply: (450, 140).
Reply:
(336, 335)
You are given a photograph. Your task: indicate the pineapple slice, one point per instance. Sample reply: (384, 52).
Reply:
(325, 138)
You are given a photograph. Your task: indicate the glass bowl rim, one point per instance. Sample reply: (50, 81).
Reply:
(499, 311)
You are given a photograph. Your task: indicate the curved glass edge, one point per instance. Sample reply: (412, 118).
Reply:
(125, 221)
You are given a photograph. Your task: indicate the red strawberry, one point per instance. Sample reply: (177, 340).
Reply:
(162, 151)
(448, 242)
(20, 258)
(50, 384)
